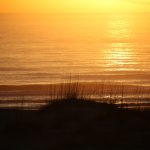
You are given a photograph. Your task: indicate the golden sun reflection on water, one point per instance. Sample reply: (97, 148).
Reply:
(120, 56)
(119, 53)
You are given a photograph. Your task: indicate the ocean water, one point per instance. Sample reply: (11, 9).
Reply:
(48, 48)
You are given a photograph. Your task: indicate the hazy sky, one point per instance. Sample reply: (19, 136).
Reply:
(74, 6)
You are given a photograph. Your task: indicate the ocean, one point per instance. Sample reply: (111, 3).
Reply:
(43, 49)
(48, 48)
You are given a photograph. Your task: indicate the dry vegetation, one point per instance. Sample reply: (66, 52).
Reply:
(72, 120)
(103, 92)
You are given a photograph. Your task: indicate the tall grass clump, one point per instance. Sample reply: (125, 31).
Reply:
(104, 92)
(73, 90)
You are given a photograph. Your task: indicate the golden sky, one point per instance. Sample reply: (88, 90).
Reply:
(73, 6)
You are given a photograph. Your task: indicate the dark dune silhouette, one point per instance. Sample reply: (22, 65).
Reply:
(75, 124)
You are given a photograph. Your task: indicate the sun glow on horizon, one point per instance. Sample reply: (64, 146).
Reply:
(74, 6)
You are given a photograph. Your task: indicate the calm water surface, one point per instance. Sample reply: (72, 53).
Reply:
(44, 48)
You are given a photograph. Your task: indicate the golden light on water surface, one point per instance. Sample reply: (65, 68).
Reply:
(119, 54)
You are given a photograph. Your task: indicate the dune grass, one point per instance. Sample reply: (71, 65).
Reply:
(77, 117)
(103, 92)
